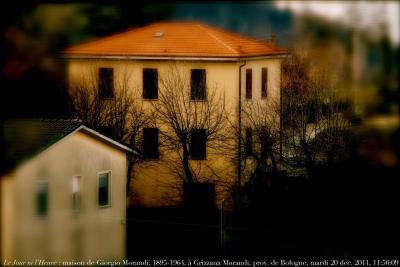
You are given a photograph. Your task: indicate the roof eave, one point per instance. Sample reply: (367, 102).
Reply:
(282, 54)
(81, 128)
(106, 139)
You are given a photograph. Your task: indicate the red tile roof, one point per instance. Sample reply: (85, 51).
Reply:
(176, 39)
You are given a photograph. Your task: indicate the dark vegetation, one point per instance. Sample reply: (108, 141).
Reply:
(346, 210)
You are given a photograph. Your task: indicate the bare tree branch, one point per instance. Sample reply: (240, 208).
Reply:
(123, 115)
(180, 116)
(314, 115)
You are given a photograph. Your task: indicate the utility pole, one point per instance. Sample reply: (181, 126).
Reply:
(222, 228)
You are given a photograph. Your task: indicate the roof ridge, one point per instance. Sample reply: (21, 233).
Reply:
(218, 39)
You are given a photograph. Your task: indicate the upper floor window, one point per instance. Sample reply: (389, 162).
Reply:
(76, 193)
(107, 130)
(249, 142)
(42, 195)
(264, 82)
(104, 192)
(198, 144)
(264, 147)
(106, 83)
(198, 84)
(150, 83)
(249, 83)
(150, 143)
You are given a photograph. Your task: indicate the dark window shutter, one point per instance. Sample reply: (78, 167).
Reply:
(150, 143)
(249, 83)
(264, 148)
(198, 144)
(104, 189)
(106, 83)
(150, 83)
(107, 131)
(198, 84)
(249, 142)
(264, 82)
(42, 198)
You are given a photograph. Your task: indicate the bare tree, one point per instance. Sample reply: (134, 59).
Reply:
(120, 114)
(182, 115)
(314, 116)
(261, 138)
(85, 101)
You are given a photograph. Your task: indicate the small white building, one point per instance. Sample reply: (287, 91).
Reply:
(63, 192)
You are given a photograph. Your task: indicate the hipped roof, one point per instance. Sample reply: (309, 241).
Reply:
(176, 39)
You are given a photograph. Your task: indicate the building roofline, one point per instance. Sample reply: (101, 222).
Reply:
(175, 58)
(137, 43)
(103, 138)
(81, 128)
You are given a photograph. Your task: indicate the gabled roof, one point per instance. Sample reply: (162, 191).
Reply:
(176, 39)
(25, 138)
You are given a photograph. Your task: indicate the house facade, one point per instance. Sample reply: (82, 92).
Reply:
(63, 196)
(241, 69)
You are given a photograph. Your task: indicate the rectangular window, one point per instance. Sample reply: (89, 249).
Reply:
(249, 83)
(198, 84)
(150, 83)
(150, 143)
(198, 144)
(42, 195)
(106, 83)
(264, 147)
(107, 131)
(264, 82)
(76, 193)
(104, 189)
(249, 142)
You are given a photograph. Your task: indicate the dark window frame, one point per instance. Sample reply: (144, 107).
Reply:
(150, 83)
(248, 146)
(249, 84)
(150, 143)
(77, 194)
(198, 85)
(264, 147)
(104, 202)
(264, 82)
(198, 144)
(107, 130)
(106, 83)
(42, 198)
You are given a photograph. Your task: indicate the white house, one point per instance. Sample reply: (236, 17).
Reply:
(63, 192)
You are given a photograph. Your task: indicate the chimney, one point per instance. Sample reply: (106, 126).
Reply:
(271, 39)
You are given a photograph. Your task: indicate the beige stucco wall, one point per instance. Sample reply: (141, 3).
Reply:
(154, 184)
(92, 233)
(7, 210)
(274, 74)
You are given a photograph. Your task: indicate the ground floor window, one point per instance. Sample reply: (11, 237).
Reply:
(104, 188)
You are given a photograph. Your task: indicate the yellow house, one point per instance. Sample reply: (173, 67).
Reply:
(63, 193)
(242, 69)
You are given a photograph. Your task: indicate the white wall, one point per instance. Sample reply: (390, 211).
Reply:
(92, 233)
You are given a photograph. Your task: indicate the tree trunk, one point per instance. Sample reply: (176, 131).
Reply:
(129, 173)
(271, 156)
(185, 163)
(310, 167)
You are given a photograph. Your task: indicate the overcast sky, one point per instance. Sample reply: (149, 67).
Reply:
(363, 14)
